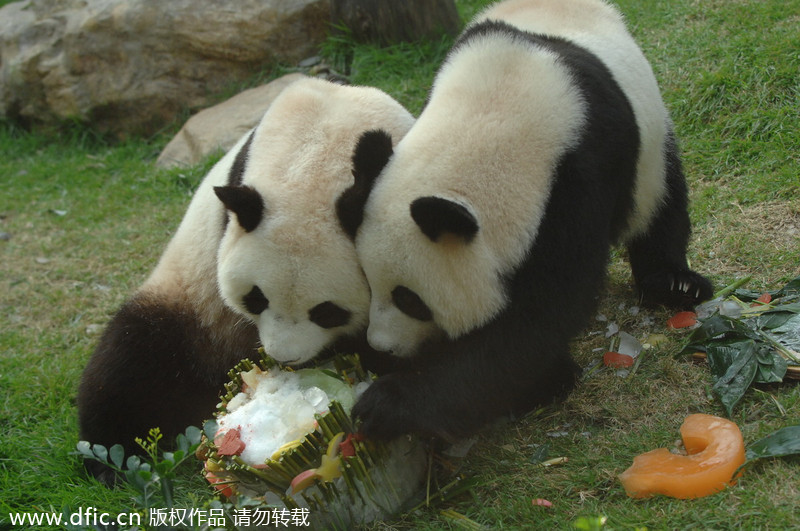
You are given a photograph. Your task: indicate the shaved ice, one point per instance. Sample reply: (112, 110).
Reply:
(276, 407)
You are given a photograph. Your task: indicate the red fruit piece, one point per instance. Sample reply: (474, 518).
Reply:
(222, 485)
(231, 443)
(765, 298)
(682, 320)
(303, 480)
(346, 447)
(617, 360)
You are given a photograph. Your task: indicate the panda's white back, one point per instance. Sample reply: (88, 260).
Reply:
(600, 28)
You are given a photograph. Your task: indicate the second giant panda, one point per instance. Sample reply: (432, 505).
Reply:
(486, 236)
(261, 248)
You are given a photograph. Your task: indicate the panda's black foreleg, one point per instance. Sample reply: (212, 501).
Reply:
(658, 256)
(453, 393)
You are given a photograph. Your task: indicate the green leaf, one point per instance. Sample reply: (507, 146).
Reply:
(85, 449)
(100, 452)
(792, 287)
(210, 429)
(771, 365)
(181, 443)
(175, 457)
(193, 435)
(740, 366)
(788, 334)
(785, 441)
(775, 318)
(163, 468)
(133, 462)
(117, 454)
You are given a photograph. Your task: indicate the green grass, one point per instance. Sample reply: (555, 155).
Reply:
(89, 219)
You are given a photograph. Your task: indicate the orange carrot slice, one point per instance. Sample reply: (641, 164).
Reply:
(716, 450)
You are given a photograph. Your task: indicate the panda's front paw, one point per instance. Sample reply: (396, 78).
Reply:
(386, 410)
(675, 289)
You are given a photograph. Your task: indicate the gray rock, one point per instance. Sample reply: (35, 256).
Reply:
(219, 127)
(130, 66)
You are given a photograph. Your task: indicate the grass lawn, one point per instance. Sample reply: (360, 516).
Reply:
(88, 219)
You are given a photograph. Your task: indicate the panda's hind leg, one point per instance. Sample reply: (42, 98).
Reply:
(658, 256)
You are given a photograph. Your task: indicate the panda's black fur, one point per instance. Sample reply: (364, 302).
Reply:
(521, 358)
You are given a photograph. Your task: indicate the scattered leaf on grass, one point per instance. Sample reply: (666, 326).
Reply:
(541, 454)
(785, 441)
(756, 347)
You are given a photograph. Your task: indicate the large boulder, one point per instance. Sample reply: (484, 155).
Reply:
(130, 66)
(219, 127)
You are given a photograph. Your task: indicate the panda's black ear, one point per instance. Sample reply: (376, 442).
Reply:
(243, 201)
(372, 152)
(436, 216)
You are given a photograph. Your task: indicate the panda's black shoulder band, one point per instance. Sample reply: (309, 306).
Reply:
(372, 152)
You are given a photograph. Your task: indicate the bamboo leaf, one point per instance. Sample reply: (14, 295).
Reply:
(785, 441)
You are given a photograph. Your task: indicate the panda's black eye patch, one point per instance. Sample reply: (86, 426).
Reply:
(255, 302)
(410, 304)
(328, 315)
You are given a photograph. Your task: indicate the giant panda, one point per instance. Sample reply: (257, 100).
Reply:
(486, 235)
(261, 256)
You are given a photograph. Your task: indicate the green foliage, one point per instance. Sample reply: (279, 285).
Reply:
(154, 477)
(785, 441)
(755, 346)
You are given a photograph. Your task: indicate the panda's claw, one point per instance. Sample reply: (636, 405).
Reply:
(686, 289)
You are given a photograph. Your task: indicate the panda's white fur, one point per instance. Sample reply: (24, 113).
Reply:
(486, 234)
(163, 358)
(600, 28)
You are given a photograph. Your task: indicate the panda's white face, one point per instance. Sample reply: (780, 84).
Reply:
(287, 259)
(422, 289)
(301, 301)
